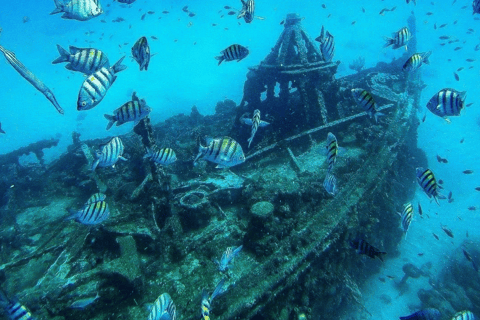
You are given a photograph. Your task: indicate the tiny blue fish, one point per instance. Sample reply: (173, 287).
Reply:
(426, 314)
(227, 257)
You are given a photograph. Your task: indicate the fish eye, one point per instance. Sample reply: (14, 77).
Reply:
(84, 103)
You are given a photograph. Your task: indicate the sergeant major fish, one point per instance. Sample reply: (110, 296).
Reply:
(416, 61)
(399, 39)
(93, 213)
(95, 86)
(332, 150)
(447, 102)
(134, 110)
(206, 306)
(327, 45)
(109, 154)
(233, 52)
(164, 156)
(85, 60)
(464, 315)
(81, 10)
(227, 257)
(13, 309)
(255, 122)
(363, 247)
(96, 197)
(163, 308)
(427, 181)
(365, 100)
(407, 216)
(225, 152)
(141, 53)
(248, 11)
(425, 314)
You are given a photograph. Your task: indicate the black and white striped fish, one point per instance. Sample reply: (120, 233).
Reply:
(85, 60)
(225, 151)
(164, 156)
(134, 110)
(447, 102)
(92, 213)
(233, 52)
(207, 300)
(476, 6)
(332, 151)
(13, 309)
(365, 100)
(416, 61)
(163, 308)
(327, 45)
(95, 86)
(96, 197)
(399, 39)
(109, 154)
(248, 11)
(426, 180)
(463, 315)
(407, 216)
(255, 122)
(81, 10)
(141, 53)
(330, 184)
(363, 247)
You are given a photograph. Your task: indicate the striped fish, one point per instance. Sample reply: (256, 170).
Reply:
(327, 45)
(164, 156)
(476, 6)
(109, 154)
(407, 216)
(365, 100)
(225, 152)
(463, 315)
(227, 257)
(81, 10)
(416, 61)
(425, 314)
(141, 53)
(330, 184)
(399, 39)
(255, 122)
(426, 180)
(363, 247)
(332, 150)
(447, 102)
(95, 86)
(233, 52)
(13, 309)
(30, 77)
(134, 110)
(96, 197)
(206, 305)
(92, 213)
(163, 308)
(248, 11)
(85, 60)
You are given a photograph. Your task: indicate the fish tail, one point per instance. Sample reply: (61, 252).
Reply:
(377, 115)
(60, 7)
(220, 59)
(149, 153)
(380, 255)
(117, 67)
(64, 54)
(95, 164)
(426, 56)
(201, 151)
(218, 290)
(1, 130)
(73, 214)
(388, 42)
(111, 120)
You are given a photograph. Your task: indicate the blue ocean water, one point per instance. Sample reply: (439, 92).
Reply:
(183, 73)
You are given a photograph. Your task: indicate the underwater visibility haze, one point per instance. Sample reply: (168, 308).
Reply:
(239, 159)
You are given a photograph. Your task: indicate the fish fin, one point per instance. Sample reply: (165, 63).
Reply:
(380, 255)
(73, 50)
(59, 8)
(321, 37)
(134, 97)
(377, 115)
(122, 158)
(220, 59)
(63, 55)
(68, 66)
(220, 166)
(73, 214)
(447, 119)
(118, 66)
(218, 290)
(66, 16)
(247, 121)
(1, 130)
(149, 153)
(201, 151)
(111, 120)
(263, 123)
(463, 96)
(426, 56)
(95, 164)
